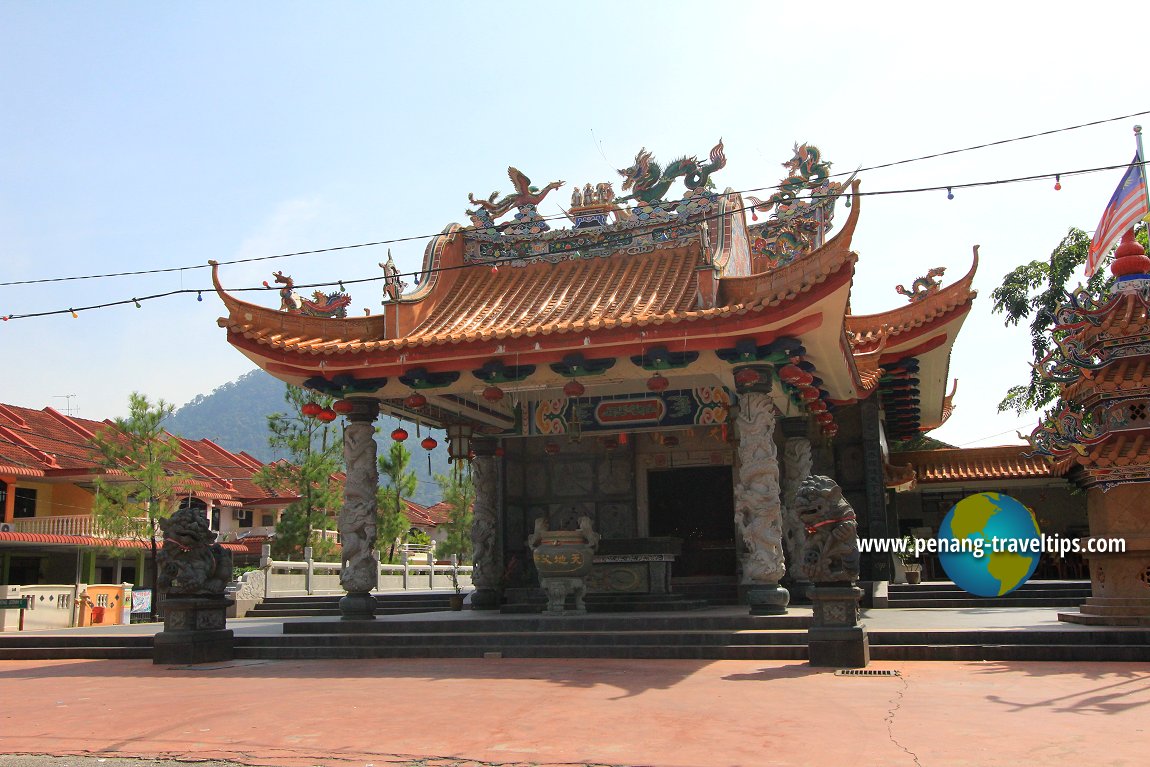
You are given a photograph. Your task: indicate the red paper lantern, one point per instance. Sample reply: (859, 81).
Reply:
(795, 375)
(311, 409)
(428, 443)
(825, 419)
(574, 389)
(831, 429)
(499, 452)
(747, 377)
(658, 383)
(416, 401)
(327, 415)
(808, 394)
(817, 406)
(493, 393)
(399, 435)
(343, 406)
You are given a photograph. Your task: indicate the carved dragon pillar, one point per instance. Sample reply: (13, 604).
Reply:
(797, 463)
(758, 507)
(484, 524)
(357, 518)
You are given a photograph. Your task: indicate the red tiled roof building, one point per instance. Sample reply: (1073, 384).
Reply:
(47, 468)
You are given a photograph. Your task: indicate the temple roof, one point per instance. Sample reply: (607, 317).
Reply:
(682, 278)
(615, 305)
(893, 328)
(921, 335)
(973, 464)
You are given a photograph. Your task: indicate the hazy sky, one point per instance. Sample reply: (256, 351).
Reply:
(154, 135)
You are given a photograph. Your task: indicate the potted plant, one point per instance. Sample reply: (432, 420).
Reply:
(456, 600)
(910, 565)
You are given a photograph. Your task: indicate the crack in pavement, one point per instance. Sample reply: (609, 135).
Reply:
(896, 704)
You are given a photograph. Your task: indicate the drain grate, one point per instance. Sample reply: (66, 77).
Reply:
(866, 672)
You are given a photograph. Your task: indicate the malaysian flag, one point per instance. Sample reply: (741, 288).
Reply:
(1127, 206)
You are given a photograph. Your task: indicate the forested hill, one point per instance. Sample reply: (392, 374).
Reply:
(235, 417)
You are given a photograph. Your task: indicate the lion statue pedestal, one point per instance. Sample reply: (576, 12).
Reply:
(830, 561)
(563, 559)
(193, 572)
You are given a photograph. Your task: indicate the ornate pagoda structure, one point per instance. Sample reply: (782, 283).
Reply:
(1100, 437)
(668, 366)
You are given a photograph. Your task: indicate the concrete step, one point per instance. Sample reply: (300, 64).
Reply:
(22, 639)
(576, 650)
(516, 639)
(330, 612)
(903, 596)
(897, 588)
(32, 646)
(986, 602)
(327, 606)
(1030, 652)
(478, 622)
(39, 652)
(1112, 637)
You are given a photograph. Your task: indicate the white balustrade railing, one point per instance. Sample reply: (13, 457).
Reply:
(77, 524)
(297, 578)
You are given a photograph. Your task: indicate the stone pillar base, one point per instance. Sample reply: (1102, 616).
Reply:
(835, 637)
(846, 647)
(485, 599)
(359, 606)
(766, 598)
(558, 589)
(194, 632)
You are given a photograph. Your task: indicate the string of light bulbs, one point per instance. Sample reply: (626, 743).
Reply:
(137, 301)
(398, 240)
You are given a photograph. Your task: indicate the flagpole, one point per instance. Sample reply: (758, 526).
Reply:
(1145, 176)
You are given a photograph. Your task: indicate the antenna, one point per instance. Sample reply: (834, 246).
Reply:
(68, 399)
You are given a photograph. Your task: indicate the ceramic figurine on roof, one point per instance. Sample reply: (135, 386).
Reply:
(591, 206)
(392, 285)
(651, 181)
(321, 304)
(526, 199)
(796, 225)
(923, 286)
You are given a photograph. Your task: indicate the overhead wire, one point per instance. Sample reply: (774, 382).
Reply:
(397, 240)
(137, 300)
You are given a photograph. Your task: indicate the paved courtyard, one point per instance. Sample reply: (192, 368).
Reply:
(575, 712)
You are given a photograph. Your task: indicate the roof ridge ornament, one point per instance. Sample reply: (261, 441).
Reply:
(924, 286)
(650, 181)
(797, 226)
(526, 199)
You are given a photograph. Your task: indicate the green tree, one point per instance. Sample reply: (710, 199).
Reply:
(141, 486)
(1033, 292)
(392, 523)
(314, 453)
(459, 495)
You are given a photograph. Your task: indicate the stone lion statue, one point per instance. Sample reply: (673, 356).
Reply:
(191, 563)
(831, 550)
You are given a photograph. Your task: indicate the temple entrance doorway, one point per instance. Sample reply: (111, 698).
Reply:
(696, 504)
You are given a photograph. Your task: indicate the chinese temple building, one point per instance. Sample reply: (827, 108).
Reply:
(1099, 437)
(666, 365)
